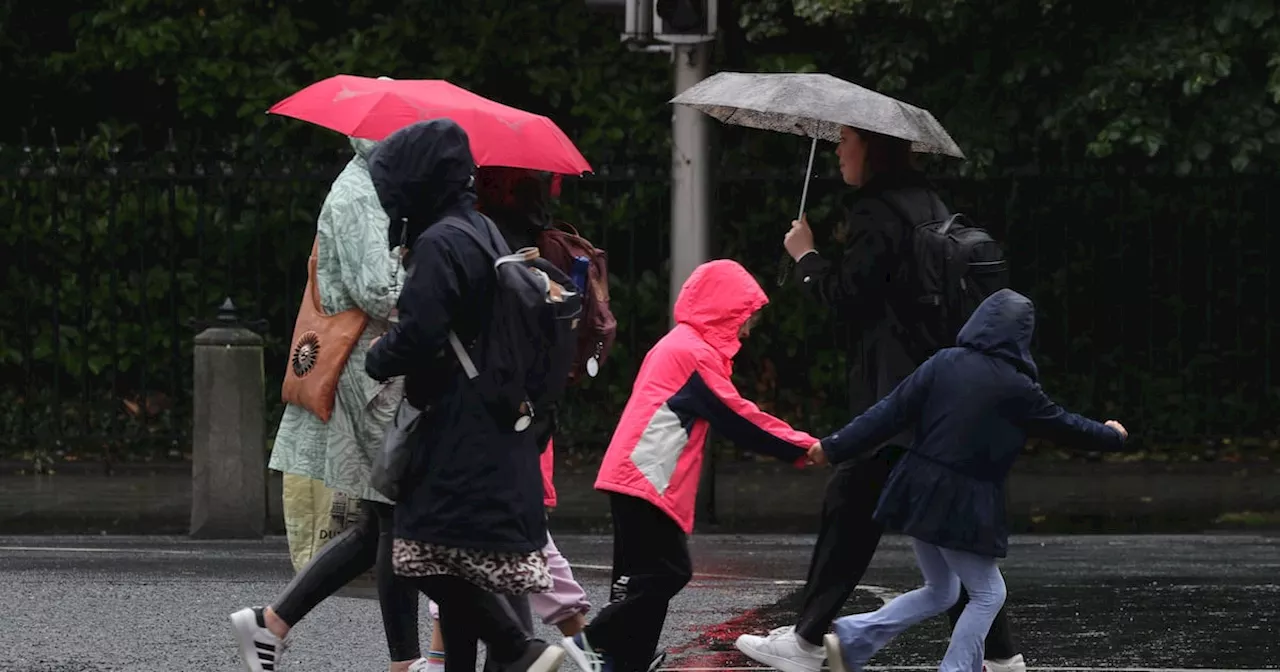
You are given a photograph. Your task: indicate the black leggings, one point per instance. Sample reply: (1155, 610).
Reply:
(468, 614)
(349, 555)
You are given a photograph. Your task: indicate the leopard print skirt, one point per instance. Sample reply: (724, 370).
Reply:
(500, 573)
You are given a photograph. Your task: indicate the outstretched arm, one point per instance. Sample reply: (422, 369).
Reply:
(711, 395)
(1049, 420)
(881, 422)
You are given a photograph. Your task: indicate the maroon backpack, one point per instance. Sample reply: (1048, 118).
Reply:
(581, 260)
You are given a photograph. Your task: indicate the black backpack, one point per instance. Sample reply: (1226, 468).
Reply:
(526, 351)
(952, 265)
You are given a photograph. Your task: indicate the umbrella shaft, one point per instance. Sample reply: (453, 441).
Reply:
(784, 268)
(808, 173)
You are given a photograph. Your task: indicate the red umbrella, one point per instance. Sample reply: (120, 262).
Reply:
(375, 108)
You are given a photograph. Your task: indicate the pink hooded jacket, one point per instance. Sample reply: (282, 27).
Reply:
(683, 387)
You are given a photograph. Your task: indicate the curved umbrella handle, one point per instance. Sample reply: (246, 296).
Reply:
(784, 267)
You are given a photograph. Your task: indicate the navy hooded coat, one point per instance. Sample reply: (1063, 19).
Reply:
(972, 408)
(470, 483)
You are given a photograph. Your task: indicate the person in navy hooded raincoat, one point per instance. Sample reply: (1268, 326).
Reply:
(972, 408)
(470, 520)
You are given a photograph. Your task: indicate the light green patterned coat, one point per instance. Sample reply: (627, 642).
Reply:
(354, 269)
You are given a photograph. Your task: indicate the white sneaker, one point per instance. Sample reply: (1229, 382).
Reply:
(782, 649)
(259, 649)
(421, 665)
(1014, 664)
(832, 645)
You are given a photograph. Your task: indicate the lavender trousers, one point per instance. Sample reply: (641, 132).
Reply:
(565, 599)
(944, 571)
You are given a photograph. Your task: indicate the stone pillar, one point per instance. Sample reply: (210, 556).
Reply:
(228, 470)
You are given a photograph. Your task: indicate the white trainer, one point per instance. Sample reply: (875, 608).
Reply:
(260, 650)
(1014, 664)
(782, 649)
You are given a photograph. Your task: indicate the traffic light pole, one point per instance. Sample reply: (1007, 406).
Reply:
(691, 190)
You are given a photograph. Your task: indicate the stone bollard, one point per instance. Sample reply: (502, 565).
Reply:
(228, 470)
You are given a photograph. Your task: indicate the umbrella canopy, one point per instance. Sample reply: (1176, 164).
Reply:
(814, 105)
(364, 107)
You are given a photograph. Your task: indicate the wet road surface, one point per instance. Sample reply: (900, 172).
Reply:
(92, 604)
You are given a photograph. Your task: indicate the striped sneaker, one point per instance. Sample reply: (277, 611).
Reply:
(259, 649)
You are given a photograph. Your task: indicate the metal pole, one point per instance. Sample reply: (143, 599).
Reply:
(690, 170)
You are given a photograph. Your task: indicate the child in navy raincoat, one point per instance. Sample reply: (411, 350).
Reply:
(972, 407)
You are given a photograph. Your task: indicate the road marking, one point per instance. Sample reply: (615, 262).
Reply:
(61, 549)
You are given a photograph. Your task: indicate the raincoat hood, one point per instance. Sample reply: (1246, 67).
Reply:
(717, 299)
(363, 147)
(423, 172)
(1002, 326)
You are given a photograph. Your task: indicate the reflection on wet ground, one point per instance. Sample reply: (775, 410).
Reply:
(93, 604)
(1210, 602)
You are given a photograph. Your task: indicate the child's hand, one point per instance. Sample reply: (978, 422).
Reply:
(817, 456)
(1124, 433)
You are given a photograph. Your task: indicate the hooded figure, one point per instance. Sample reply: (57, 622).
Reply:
(654, 461)
(684, 386)
(971, 407)
(470, 521)
(353, 270)
(475, 485)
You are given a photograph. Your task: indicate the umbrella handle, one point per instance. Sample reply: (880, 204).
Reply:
(784, 268)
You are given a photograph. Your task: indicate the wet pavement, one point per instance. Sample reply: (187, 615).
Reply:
(1081, 603)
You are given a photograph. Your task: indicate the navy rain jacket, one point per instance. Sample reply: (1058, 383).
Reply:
(972, 408)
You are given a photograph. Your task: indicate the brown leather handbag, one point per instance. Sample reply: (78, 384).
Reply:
(320, 348)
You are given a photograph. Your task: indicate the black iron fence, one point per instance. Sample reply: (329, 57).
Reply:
(1155, 296)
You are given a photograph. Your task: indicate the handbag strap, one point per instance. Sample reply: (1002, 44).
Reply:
(313, 283)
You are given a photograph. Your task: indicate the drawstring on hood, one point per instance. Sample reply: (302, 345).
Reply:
(1002, 326)
(422, 173)
(717, 299)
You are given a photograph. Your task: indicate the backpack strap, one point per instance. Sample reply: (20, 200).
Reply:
(455, 343)
(489, 246)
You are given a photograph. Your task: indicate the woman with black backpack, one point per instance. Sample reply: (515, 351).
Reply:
(518, 202)
(469, 522)
(890, 197)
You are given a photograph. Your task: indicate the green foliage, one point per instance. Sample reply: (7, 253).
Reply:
(1051, 84)
(1154, 295)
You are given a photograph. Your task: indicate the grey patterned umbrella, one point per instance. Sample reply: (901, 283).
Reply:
(813, 105)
